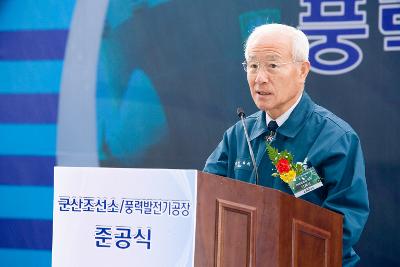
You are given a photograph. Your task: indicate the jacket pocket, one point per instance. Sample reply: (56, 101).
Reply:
(243, 169)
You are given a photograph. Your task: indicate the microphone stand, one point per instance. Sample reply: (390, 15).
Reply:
(240, 113)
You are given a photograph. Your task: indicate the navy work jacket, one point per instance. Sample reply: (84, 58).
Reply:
(330, 145)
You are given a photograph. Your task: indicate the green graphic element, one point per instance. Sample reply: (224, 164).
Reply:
(250, 20)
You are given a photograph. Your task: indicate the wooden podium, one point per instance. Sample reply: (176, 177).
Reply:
(240, 224)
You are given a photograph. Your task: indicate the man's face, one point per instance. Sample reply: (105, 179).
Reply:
(274, 87)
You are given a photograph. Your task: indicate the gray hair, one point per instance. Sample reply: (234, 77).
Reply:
(300, 45)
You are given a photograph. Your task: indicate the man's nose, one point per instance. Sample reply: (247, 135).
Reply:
(261, 76)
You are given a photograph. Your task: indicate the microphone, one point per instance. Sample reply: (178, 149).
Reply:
(241, 115)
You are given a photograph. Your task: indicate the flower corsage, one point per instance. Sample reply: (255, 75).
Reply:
(283, 162)
(300, 178)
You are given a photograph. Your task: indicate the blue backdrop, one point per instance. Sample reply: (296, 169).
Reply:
(154, 83)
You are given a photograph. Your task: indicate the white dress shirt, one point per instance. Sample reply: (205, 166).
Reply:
(282, 118)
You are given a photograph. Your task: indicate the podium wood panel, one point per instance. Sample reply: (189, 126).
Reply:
(310, 242)
(235, 243)
(240, 224)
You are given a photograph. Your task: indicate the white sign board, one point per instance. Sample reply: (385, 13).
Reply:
(123, 217)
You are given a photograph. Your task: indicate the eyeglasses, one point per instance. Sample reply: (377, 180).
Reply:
(253, 67)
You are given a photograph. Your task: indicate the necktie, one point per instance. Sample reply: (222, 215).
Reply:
(272, 126)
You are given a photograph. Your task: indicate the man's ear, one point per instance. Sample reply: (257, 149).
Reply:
(304, 70)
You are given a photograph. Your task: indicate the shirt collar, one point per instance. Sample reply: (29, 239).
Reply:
(282, 118)
(292, 125)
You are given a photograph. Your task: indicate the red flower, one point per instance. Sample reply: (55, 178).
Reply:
(283, 166)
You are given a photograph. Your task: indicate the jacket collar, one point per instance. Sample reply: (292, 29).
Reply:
(292, 125)
(260, 126)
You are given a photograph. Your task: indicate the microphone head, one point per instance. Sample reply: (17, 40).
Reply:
(240, 112)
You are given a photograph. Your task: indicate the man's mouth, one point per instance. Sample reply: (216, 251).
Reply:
(263, 93)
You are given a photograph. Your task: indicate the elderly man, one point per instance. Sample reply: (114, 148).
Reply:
(277, 66)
